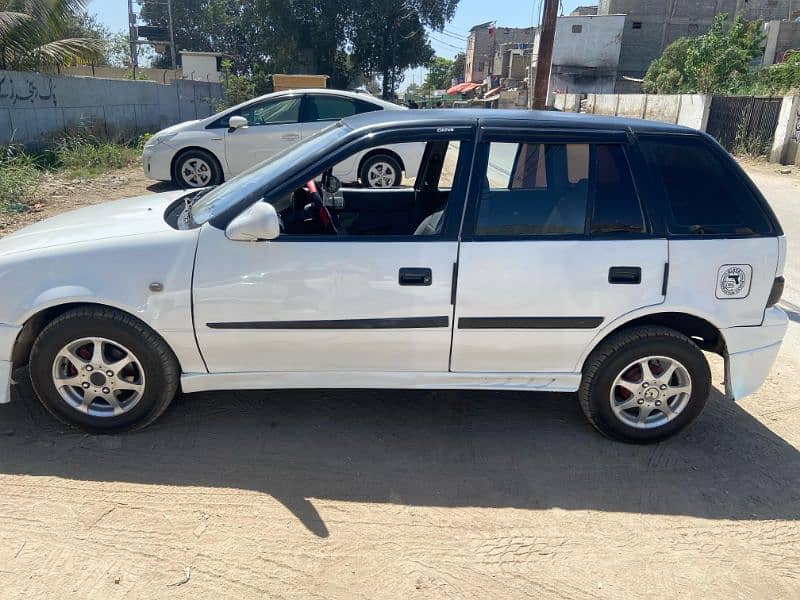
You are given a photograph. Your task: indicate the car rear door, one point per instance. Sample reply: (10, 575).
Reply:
(555, 246)
(272, 125)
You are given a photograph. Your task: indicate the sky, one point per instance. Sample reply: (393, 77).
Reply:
(507, 13)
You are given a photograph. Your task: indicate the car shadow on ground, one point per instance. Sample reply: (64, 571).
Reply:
(426, 448)
(162, 186)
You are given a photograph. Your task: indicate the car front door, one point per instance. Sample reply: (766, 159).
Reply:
(555, 247)
(376, 298)
(272, 125)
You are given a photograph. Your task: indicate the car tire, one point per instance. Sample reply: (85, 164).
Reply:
(127, 369)
(196, 169)
(644, 384)
(381, 170)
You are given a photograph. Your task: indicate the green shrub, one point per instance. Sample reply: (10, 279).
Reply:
(19, 174)
(88, 156)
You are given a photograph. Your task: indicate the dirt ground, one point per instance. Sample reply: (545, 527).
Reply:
(395, 494)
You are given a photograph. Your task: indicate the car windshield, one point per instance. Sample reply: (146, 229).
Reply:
(253, 182)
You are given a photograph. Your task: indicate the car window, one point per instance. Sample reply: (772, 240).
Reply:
(703, 195)
(535, 189)
(616, 207)
(329, 108)
(414, 208)
(550, 189)
(272, 112)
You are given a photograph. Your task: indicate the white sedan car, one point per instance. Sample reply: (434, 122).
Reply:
(197, 154)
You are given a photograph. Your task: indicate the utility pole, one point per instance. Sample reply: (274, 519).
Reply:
(171, 36)
(132, 38)
(545, 56)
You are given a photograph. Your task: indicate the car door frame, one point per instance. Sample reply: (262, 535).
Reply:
(515, 131)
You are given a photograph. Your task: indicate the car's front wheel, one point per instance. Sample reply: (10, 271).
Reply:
(102, 370)
(644, 384)
(381, 170)
(197, 169)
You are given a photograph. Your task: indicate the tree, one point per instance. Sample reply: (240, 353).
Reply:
(388, 36)
(439, 74)
(720, 61)
(352, 41)
(36, 34)
(459, 67)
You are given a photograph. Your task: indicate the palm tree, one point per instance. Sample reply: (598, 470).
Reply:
(32, 35)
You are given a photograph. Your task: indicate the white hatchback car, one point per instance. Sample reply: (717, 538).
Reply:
(196, 154)
(535, 251)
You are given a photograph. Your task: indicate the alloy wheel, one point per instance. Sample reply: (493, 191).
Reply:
(98, 377)
(651, 392)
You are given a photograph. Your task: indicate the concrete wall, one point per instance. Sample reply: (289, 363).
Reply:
(787, 134)
(690, 110)
(588, 41)
(157, 75)
(36, 106)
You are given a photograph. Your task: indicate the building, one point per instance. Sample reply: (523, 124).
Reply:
(653, 24)
(484, 48)
(201, 66)
(586, 53)
(780, 36)
(584, 11)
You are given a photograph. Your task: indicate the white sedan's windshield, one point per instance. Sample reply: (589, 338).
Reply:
(253, 182)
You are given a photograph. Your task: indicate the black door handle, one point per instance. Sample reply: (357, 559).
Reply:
(625, 275)
(415, 276)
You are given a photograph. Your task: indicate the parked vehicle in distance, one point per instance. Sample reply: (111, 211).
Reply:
(535, 251)
(197, 154)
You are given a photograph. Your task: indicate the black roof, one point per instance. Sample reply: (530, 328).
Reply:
(382, 119)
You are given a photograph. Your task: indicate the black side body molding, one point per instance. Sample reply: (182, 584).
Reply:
(392, 323)
(529, 322)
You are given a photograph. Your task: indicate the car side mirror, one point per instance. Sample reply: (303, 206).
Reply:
(333, 184)
(236, 122)
(258, 223)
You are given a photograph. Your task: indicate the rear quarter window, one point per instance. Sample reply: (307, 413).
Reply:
(704, 195)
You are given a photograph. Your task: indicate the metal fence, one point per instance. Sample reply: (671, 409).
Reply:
(744, 124)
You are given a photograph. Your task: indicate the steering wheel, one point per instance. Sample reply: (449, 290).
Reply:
(324, 214)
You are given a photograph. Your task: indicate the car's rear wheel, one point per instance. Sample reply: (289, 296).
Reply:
(381, 170)
(102, 370)
(197, 169)
(644, 384)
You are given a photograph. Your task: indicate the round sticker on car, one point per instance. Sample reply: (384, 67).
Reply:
(733, 281)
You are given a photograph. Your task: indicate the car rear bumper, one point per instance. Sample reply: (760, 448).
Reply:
(8, 335)
(751, 352)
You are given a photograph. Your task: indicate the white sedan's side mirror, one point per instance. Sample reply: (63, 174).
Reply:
(258, 223)
(236, 122)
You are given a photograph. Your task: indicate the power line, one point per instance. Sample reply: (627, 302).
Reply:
(444, 43)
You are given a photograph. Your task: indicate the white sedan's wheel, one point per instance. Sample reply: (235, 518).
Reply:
(196, 172)
(197, 169)
(381, 171)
